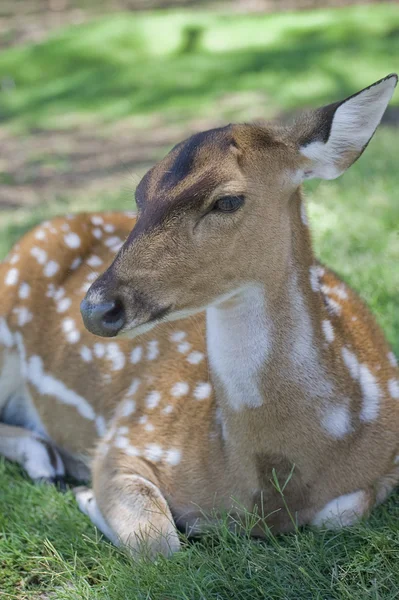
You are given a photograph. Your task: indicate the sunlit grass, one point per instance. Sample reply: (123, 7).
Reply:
(186, 61)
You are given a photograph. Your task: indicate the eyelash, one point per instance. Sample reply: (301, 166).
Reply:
(232, 203)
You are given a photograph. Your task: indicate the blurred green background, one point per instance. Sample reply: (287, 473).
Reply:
(91, 95)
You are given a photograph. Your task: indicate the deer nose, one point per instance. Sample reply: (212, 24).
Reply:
(105, 318)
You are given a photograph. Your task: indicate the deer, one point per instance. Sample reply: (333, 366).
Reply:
(184, 358)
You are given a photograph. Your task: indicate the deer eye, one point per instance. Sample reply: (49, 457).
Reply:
(228, 204)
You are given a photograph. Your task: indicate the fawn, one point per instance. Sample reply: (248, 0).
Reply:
(253, 360)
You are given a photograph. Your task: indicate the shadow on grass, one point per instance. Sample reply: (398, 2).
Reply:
(65, 74)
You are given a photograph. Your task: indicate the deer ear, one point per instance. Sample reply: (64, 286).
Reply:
(334, 136)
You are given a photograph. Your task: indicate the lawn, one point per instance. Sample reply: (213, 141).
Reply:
(182, 67)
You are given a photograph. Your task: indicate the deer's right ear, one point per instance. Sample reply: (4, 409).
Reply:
(334, 136)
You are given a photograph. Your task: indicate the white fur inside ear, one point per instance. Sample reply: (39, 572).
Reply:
(353, 125)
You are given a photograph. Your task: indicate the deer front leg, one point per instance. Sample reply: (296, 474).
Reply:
(35, 454)
(132, 513)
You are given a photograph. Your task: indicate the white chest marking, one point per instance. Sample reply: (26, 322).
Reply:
(238, 340)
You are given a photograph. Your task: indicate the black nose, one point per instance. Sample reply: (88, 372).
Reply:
(105, 319)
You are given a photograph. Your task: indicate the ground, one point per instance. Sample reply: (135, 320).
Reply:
(84, 114)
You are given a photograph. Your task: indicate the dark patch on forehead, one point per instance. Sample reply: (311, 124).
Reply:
(184, 153)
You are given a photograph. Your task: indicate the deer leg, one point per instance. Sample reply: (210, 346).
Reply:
(35, 454)
(132, 512)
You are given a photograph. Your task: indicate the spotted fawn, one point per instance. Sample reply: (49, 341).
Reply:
(224, 354)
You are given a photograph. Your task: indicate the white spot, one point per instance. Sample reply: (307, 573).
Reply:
(132, 451)
(221, 423)
(109, 228)
(351, 362)
(85, 287)
(152, 399)
(195, 357)
(116, 356)
(92, 276)
(24, 291)
(142, 420)
(97, 233)
(396, 460)
(51, 268)
(53, 292)
(11, 277)
(184, 347)
(178, 336)
(63, 305)
(72, 240)
(328, 330)
(99, 350)
(354, 319)
(304, 216)
(167, 410)
(173, 457)
(134, 386)
(122, 430)
(73, 336)
(337, 421)
(153, 452)
(393, 386)
(76, 263)
(101, 425)
(152, 350)
(71, 333)
(14, 259)
(333, 306)
(6, 337)
(342, 511)
(39, 254)
(392, 359)
(368, 384)
(121, 442)
(371, 394)
(40, 234)
(203, 390)
(149, 427)
(47, 385)
(65, 227)
(97, 220)
(86, 354)
(128, 407)
(112, 241)
(136, 355)
(180, 389)
(68, 325)
(24, 315)
(94, 261)
(316, 272)
(340, 291)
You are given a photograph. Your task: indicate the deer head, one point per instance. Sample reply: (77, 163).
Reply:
(220, 212)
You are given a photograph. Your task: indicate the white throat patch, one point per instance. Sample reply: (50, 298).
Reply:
(239, 342)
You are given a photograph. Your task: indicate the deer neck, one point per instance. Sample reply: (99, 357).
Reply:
(266, 351)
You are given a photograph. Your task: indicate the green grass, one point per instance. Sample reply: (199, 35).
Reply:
(183, 63)
(135, 66)
(47, 545)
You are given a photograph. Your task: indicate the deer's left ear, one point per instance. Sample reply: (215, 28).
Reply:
(333, 137)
